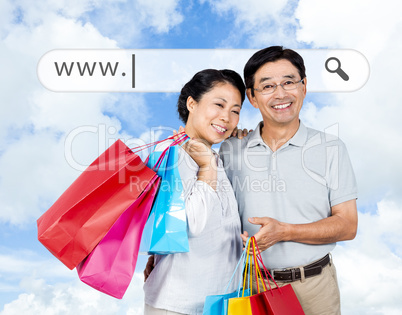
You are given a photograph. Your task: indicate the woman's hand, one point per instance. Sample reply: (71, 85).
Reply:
(199, 151)
(181, 129)
(202, 154)
(149, 267)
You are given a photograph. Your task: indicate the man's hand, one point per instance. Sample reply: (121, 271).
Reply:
(271, 232)
(239, 133)
(340, 226)
(149, 267)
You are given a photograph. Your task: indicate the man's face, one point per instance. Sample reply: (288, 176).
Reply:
(281, 108)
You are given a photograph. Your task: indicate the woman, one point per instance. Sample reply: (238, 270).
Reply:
(209, 105)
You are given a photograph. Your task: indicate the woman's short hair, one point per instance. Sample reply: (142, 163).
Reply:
(271, 54)
(204, 81)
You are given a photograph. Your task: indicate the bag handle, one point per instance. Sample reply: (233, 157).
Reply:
(179, 139)
(242, 258)
(148, 145)
(151, 144)
(248, 268)
(182, 138)
(257, 268)
(267, 274)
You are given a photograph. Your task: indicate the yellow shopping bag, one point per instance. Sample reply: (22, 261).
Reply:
(241, 305)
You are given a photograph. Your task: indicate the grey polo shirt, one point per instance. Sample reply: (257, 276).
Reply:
(299, 183)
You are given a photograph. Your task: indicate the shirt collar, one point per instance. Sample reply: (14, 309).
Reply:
(299, 139)
(255, 137)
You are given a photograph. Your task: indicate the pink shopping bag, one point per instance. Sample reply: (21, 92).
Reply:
(110, 266)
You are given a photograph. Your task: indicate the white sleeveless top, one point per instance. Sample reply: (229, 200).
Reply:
(180, 282)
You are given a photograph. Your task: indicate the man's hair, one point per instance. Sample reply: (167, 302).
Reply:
(271, 54)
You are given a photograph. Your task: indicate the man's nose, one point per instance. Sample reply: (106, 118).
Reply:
(280, 91)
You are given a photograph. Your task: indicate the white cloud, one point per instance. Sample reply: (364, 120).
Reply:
(73, 297)
(125, 20)
(17, 266)
(160, 15)
(22, 47)
(258, 22)
(34, 123)
(362, 25)
(365, 264)
(254, 12)
(50, 288)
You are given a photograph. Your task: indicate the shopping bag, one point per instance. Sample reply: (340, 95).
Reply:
(110, 266)
(240, 305)
(258, 302)
(155, 161)
(169, 234)
(218, 304)
(85, 212)
(276, 301)
(166, 229)
(282, 300)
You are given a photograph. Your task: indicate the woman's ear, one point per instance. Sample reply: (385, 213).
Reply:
(191, 104)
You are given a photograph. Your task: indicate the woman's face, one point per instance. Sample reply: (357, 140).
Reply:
(215, 116)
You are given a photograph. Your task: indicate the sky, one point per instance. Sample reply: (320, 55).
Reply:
(47, 138)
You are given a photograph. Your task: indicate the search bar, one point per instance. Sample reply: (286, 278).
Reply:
(167, 70)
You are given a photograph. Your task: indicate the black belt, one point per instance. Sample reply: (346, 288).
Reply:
(293, 274)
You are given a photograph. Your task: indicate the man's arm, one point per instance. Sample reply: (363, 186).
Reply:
(340, 226)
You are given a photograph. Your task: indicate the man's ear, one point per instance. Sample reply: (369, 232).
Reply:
(305, 86)
(191, 104)
(251, 98)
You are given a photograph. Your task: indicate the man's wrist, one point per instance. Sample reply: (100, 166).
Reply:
(287, 231)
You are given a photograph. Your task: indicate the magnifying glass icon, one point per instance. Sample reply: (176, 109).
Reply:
(337, 69)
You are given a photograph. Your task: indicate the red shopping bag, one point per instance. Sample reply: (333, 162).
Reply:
(85, 212)
(110, 266)
(282, 301)
(276, 301)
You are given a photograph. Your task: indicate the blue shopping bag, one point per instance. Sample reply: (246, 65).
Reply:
(218, 304)
(166, 229)
(145, 244)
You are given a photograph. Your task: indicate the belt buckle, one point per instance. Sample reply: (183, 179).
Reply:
(292, 274)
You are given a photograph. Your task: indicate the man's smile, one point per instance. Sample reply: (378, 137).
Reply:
(281, 106)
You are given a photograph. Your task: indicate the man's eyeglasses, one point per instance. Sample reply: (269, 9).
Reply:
(267, 88)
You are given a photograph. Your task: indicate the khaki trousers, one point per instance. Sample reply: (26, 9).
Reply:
(318, 295)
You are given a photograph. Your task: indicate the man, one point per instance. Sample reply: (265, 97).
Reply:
(295, 186)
